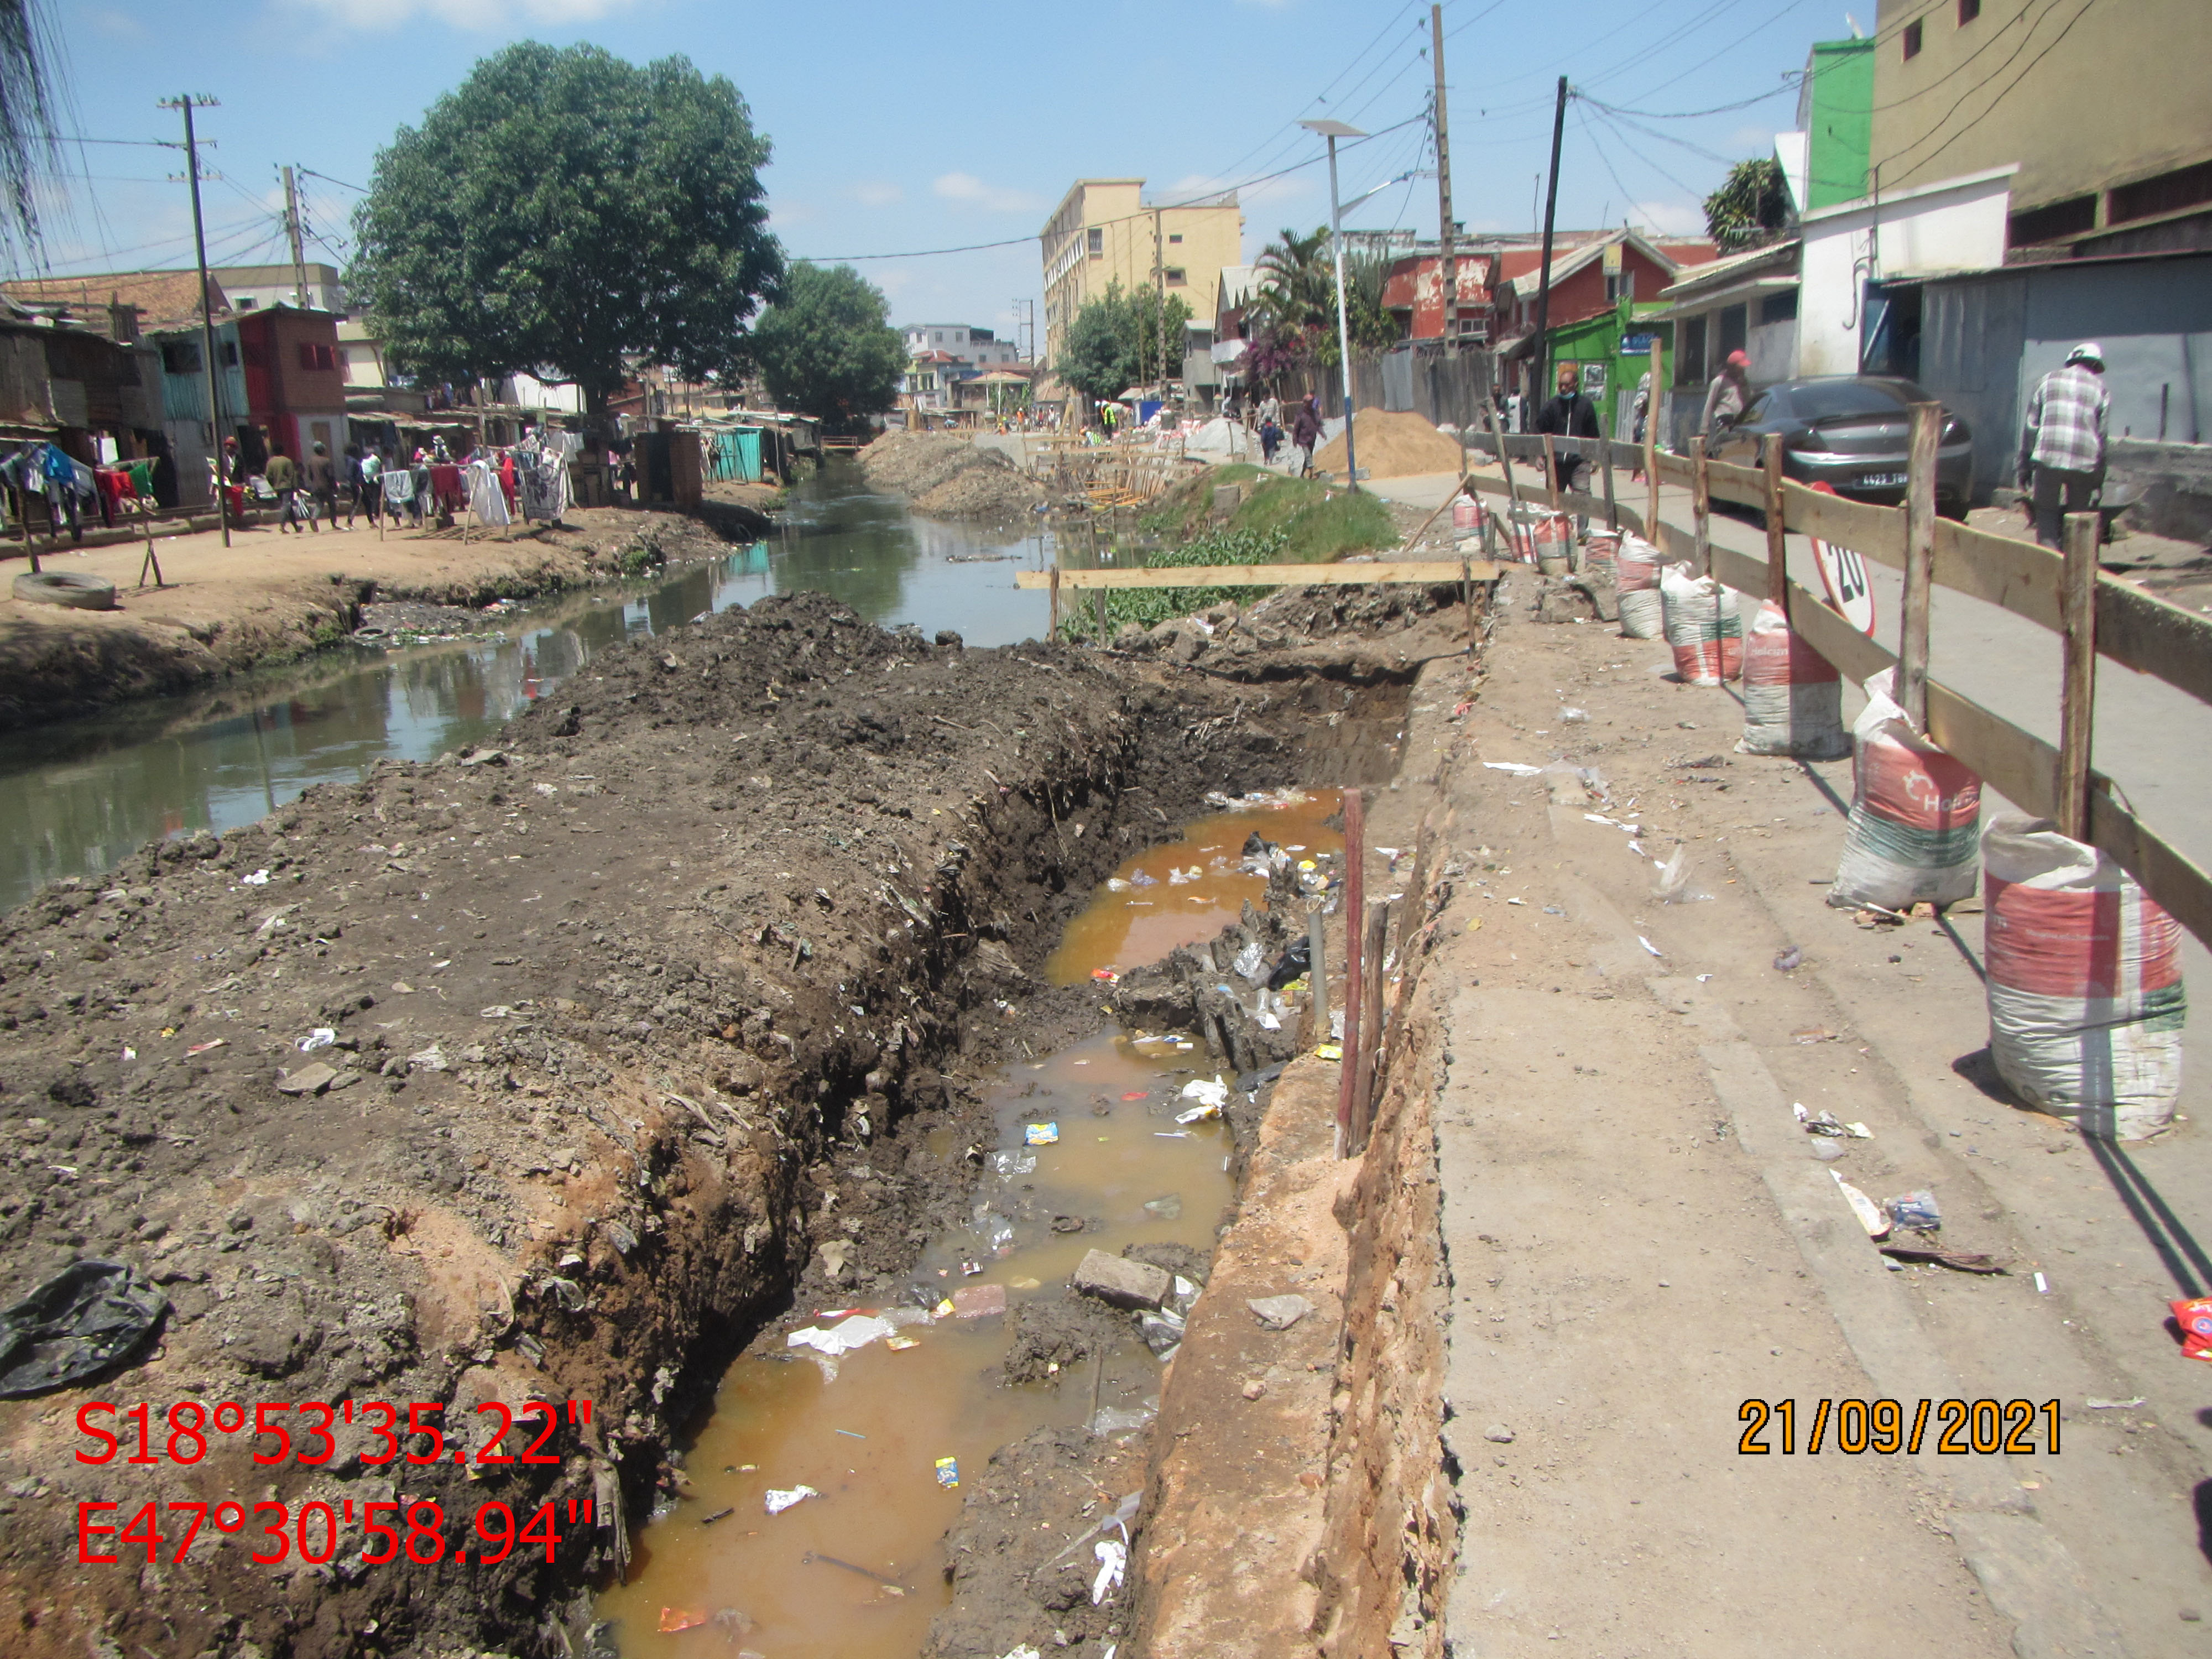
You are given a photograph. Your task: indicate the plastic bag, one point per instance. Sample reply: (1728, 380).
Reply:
(75, 1325)
(1636, 583)
(2086, 996)
(1793, 698)
(1704, 626)
(1915, 815)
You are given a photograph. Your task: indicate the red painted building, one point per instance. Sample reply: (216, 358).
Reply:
(294, 378)
(1413, 292)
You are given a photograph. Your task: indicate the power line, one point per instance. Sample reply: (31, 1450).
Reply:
(327, 179)
(1956, 108)
(1792, 79)
(1143, 213)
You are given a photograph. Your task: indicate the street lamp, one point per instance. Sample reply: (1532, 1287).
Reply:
(1333, 131)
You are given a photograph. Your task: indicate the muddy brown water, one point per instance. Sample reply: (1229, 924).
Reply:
(868, 1439)
(78, 796)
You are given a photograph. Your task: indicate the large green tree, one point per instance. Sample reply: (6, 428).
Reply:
(1113, 342)
(827, 347)
(561, 209)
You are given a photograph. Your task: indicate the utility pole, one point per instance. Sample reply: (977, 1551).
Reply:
(1333, 130)
(1540, 349)
(1443, 182)
(187, 102)
(292, 230)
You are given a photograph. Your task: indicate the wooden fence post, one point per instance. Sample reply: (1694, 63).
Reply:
(1355, 861)
(1552, 471)
(1652, 409)
(1701, 506)
(1919, 564)
(2077, 711)
(1777, 553)
(1377, 930)
(1605, 461)
(1052, 628)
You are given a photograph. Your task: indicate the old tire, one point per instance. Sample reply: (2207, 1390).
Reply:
(66, 588)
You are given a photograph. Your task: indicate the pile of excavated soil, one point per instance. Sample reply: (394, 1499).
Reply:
(1399, 445)
(528, 1073)
(945, 475)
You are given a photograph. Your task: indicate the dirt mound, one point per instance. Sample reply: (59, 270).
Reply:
(947, 474)
(1399, 445)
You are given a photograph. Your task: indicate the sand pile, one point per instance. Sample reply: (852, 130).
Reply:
(944, 474)
(1390, 446)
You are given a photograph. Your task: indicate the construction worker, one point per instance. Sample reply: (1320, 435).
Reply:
(2062, 447)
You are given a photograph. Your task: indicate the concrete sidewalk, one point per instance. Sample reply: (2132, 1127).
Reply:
(1641, 1238)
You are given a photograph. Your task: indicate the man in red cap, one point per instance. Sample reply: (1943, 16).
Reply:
(1726, 397)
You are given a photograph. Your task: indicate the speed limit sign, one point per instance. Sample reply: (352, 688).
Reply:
(1844, 575)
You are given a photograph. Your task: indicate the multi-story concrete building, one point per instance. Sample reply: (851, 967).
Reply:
(980, 346)
(1105, 231)
(2107, 121)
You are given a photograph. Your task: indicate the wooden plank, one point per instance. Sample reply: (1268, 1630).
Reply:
(2154, 636)
(1669, 468)
(1875, 533)
(1266, 575)
(2078, 698)
(1727, 481)
(2168, 876)
(1919, 563)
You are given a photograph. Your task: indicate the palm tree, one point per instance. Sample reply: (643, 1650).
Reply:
(1298, 290)
(30, 142)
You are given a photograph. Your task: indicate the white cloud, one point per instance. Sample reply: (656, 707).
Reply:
(117, 25)
(1671, 218)
(877, 193)
(383, 16)
(967, 187)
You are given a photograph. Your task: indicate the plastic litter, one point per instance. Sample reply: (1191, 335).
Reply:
(258, 878)
(2194, 1318)
(322, 1036)
(979, 1300)
(1784, 961)
(1648, 945)
(1279, 1313)
(948, 1472)
(2085, 989)
(75, 1325)
(1112, 1556)
(1870, 1214)
(1169, 1208)
(1117, 1419)
(1247, 965)
(1574, 716)
(1012, 1164)
(854, 1333)
(675, 1619)
(779, 1499)
(1041, 1134)
(1671, 884)
(1916, 1211)
(1516, 767)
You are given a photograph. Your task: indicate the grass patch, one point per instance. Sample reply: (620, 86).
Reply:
(1148, 605)
(1318, 522)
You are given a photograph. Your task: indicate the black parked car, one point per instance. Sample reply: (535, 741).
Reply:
(1851, 432)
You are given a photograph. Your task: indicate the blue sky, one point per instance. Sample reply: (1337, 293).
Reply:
(906, 126)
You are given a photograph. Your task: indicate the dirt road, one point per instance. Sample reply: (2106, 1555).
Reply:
(272, 597)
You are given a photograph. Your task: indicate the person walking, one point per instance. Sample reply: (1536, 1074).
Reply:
(1270, 411)
(1642, 411)
(1726, 397)
(282, 475)
(321, 488)
(2062, 447)
(367, 469)
(1305, 433)
(1570, 414)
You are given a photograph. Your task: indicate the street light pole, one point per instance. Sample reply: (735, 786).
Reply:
(187, 102)
(1333, 131)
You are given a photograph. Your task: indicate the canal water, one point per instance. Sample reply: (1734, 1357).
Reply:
(867, 1441)
(78, 796)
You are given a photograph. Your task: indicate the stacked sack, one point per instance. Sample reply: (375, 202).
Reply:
(1914, 814)
(1704, 625)
(1793, 698)
(1635, 579)
(2085, 999)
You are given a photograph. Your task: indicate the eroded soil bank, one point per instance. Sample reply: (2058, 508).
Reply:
(270, 599)
(611, 1004)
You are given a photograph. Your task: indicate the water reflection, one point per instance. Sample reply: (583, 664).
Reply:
(74, 797)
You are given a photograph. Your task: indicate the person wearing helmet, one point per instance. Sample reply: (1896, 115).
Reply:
(2062, 447)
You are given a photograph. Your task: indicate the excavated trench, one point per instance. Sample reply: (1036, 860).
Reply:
(763, 915)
